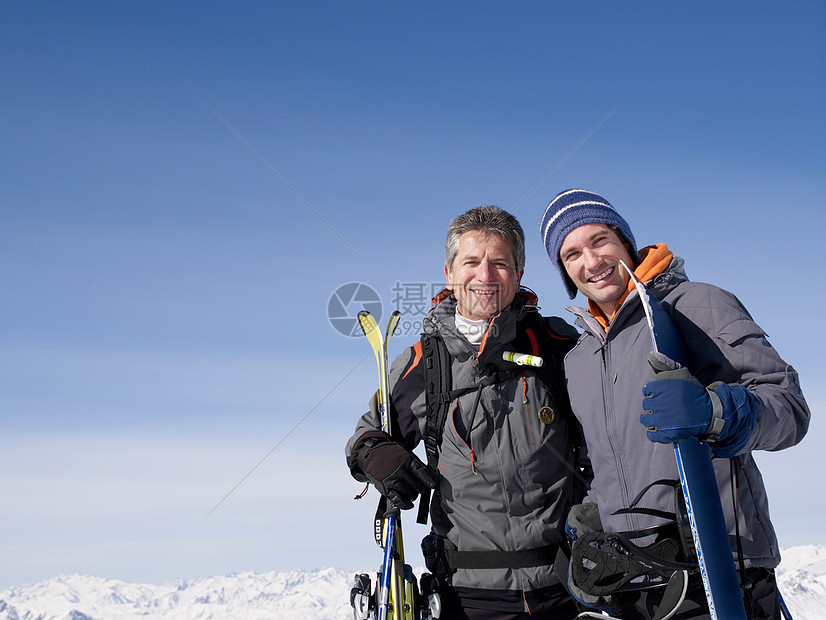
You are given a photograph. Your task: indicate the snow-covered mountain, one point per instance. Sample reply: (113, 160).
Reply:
(306, 595)
(802, 581)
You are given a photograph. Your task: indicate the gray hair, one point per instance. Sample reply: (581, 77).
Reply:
(486, 219)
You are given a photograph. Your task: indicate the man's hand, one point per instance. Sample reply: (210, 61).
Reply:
(678, 406)
(397, 473)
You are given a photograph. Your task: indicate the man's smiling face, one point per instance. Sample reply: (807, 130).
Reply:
(483, 275)
(591, 255)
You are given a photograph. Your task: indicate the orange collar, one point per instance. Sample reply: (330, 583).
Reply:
(655, 260)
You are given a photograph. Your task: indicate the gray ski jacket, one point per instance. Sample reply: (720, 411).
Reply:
(503, 485)
(605, 374)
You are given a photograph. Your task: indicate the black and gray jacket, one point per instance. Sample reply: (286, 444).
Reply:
(506, 479)
(605, 375)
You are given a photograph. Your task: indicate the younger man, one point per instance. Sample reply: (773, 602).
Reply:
(743, 396)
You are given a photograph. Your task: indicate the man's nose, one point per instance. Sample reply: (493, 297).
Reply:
(483, 271)
(591, 258)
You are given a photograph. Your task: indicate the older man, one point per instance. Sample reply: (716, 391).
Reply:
(505, 457)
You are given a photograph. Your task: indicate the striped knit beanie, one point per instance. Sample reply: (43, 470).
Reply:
(574, 208)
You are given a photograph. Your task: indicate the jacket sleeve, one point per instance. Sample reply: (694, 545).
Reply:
(725, 344)
(406, 397)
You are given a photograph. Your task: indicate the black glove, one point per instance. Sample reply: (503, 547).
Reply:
(397, 473)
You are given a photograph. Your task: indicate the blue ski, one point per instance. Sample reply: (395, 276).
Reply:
(699, 483)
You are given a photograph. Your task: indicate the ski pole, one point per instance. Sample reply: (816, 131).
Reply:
(783, 608)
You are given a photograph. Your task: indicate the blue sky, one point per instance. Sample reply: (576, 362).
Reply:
(164, 321)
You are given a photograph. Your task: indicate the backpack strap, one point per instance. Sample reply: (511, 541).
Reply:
(438, 383)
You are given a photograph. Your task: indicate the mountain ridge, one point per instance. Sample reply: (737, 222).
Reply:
(318, 594)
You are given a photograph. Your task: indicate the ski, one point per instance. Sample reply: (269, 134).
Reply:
(698, 481)
(396, 588)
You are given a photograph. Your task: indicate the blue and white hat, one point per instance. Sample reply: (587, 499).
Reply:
(574, 208)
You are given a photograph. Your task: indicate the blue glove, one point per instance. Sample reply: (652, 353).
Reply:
(677, 406)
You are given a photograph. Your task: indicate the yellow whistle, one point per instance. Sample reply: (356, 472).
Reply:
(522, 359)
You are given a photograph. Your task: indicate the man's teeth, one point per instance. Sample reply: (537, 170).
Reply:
(602, 275)
(476, 292)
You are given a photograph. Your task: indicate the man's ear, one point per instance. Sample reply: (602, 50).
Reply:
(448, 283)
